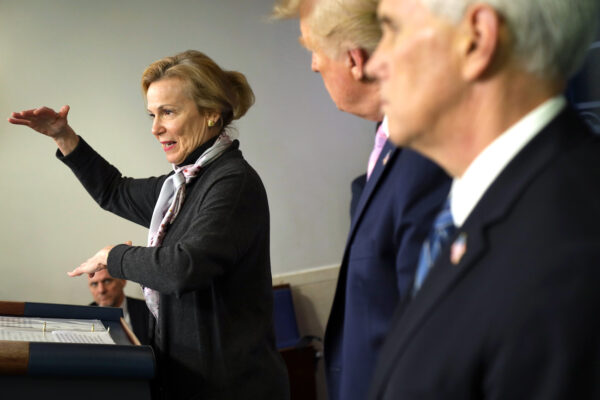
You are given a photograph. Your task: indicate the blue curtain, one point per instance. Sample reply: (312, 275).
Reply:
(584, 89)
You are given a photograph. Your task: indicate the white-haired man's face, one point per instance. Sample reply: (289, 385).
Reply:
(106, 290)
(417, 70)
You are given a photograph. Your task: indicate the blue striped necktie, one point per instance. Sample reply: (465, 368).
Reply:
(442, 230)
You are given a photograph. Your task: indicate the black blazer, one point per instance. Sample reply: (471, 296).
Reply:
(214, 337)
(517, 316)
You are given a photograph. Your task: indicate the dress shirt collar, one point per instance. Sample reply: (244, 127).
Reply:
(384, 126)
(468, 189)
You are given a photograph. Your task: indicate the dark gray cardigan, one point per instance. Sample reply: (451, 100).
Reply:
(214, 338)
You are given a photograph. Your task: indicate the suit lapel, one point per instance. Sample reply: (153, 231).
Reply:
(388, 153)
(495, 204)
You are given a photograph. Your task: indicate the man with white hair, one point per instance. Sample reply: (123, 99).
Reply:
(403, 192)
(507, 305)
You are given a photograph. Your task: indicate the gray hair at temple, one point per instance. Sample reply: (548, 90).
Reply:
(336, 25)
(550, 37)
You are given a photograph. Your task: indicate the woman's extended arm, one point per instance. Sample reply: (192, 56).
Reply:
(126, 197)
(50, 123)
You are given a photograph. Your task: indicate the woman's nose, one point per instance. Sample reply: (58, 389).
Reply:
(157, 127)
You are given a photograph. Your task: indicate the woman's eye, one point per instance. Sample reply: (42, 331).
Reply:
(151, 115)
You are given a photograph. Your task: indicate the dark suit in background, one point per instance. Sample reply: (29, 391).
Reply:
(517, 317)
(140, 318)
(391, 219)
(584, 88)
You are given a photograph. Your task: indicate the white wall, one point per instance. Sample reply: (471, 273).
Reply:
(90, 54)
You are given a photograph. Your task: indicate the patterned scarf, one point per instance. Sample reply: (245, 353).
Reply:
(170, 200)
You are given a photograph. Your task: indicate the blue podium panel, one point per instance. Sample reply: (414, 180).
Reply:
(75, 370)
(27, 387)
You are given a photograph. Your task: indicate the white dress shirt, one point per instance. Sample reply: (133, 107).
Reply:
(385, 127)
(467, 190)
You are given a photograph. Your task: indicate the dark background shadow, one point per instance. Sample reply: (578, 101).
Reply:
(584, 89)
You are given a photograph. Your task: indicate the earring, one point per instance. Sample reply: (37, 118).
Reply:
(211, 123)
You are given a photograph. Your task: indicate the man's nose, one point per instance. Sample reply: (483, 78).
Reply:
(157, 127)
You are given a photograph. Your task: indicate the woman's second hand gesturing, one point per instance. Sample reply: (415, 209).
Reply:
(95, 263)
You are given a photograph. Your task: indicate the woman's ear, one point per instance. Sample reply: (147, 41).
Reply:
(212, 118)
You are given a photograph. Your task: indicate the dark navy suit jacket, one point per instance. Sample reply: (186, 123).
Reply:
(516, 316)
(392, 217)
(357, 187)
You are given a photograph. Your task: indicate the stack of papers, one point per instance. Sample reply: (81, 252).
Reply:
(57, 330)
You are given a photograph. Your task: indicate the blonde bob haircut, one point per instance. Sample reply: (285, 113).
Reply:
(336, 25)
(211, 88)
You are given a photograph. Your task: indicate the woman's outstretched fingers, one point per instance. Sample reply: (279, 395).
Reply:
(93, 264)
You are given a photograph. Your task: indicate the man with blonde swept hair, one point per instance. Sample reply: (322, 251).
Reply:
(508, 309)
(393, 212)
(341, 35)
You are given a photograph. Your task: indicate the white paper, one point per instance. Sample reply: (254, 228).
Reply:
(54, 330)
(83, 337)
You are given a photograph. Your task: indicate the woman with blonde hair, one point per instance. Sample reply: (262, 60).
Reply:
(205, 271)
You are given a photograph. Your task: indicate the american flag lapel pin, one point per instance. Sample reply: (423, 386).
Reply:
(458, 249)
(387, 157)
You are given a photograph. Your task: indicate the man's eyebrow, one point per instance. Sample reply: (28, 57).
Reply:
(384, 20)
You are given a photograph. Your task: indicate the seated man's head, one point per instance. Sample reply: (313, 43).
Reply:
(106, 290)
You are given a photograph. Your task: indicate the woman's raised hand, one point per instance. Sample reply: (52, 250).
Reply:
(95, 263)
(44, 120)
(50, 123)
